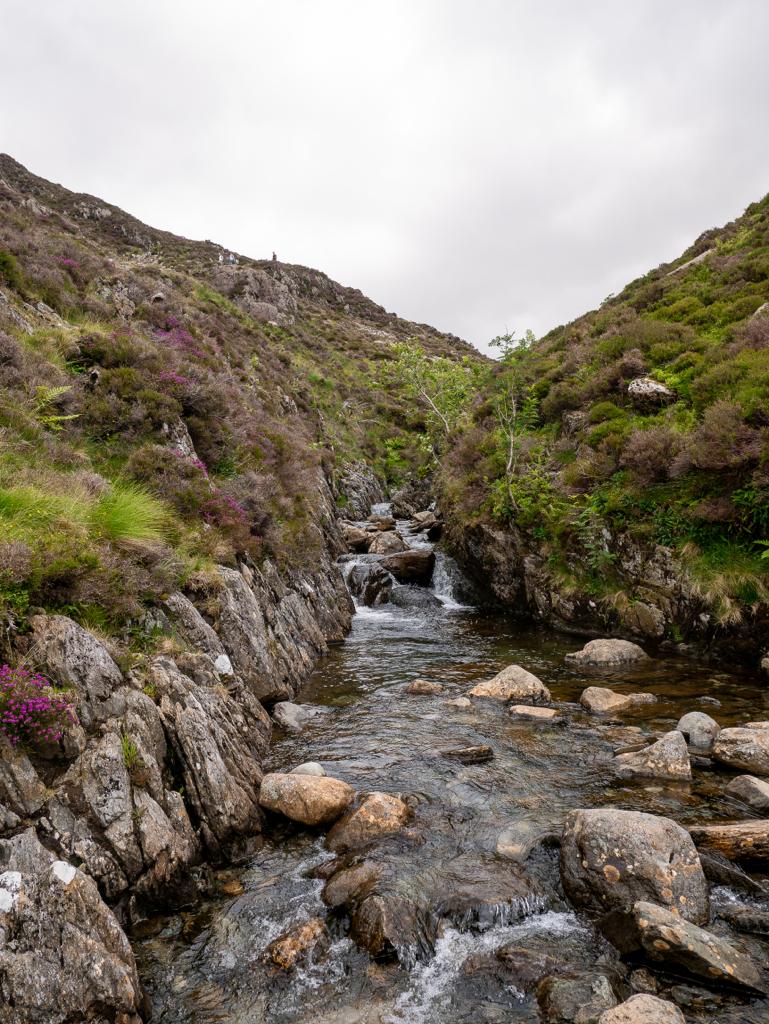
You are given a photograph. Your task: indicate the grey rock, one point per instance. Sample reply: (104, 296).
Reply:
(309, 768)
(643, 1009)
(370, 583)
(191, 626)
(413, 597)
(744, 748)
(293, 717)
(387, 543)
(668, 758)
(610, 859)
(22, 791)
(575, 1000)
(412, 566)
(699, 729)
(600, 700)
(645, 391)
(361, 488)
(512, 683)
(607, 653)
(751, 791)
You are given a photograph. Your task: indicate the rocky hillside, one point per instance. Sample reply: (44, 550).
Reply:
(615, 474)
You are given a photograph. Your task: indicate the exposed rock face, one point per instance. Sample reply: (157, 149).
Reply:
(370, 583)
(361, 488)
(387, 543)
(378, 814)
(668, 937)
(308, 799)
(700, 730)
(607, 653)
(412, 566)
(668, 758)
(610, 859)
(63, 955)
(643, 1009)
(512, 683)
(601, 701)
(751, 791)
(747, 749)
(645, 391)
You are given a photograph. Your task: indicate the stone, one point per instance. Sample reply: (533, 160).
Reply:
(743, 748)
(407, 596)
(643, 1009)
(412, 566)
(668, 937)
(575, 1000)
(668, 758)
(459, 702)
(743, 840)
(746, 919)
(382, 523)
(607, 653)
(424, 688)
(190, 625)
(307, 799)
(309, 768)
(424, 520)
(599, 700)
(355, 538)
(470, 755)
(306, 941)
(612, 858)
(377, 815)
(387, 543)
(699, 730)
(533, 714)
(517, 841)
(645, 391)
(751, 791)
(512, 683)
(370, 583)
(293, 717)
(384, 924)
(350, 884)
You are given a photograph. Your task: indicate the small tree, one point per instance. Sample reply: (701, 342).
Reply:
(517, 411)
(509, 346)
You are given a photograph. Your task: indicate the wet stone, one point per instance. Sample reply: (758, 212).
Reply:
(470, 755)
(302, 942)
(643, 1009)
(379, 814)
(423, 688)
(575, 1000)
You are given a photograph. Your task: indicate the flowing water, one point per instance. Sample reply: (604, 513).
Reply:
(206, 964)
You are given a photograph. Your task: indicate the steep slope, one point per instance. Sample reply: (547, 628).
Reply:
(616, 473)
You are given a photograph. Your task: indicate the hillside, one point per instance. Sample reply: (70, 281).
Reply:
(165, 405)
(617, 470)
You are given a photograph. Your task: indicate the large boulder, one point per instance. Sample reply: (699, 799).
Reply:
(370, 583)
(308, 799)
(412, 566)
(607, 653)
(407, 596)
(378, 814)
(512, 683)
(744, 748)
(648, 393)
(699, 730)
(751, 791)
(668, 937)
(610, 859)
(643, 1009)
(599, 700)
(355, 538)
(668, 758)
(387, 543)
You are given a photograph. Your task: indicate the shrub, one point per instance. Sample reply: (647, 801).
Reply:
(128, 512)
(648, 454)
(604, 411)
(32, 712)
(9, 271)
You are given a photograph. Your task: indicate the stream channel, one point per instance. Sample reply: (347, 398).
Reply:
(471, 901)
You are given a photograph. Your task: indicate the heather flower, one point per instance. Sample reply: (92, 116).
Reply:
(32, 712)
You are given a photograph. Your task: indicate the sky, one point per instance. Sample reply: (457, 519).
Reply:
(480, 165)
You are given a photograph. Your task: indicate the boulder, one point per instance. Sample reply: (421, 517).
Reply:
(293, 717)
(599, 700)
(382, 523)
(575, 1000)
(350, 884)
(309, 768)
(424, 520)
(387, 543)
(423, 688)
(647, 392)
(414, 565)
(307, 941)
(512, 683)
(751, 791)
(413, 597)
(377, 815)
(355, 538)
(668, 758)
(699, 730)
(668, 937)
(308, 799)
(743, 840)
(607, 653)
(370, 583)
(385, 923)
(643, 1009)
(610, 859)
(518, 840)
(533, 714)
(743, 748)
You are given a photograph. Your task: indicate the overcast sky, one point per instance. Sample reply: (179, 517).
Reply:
(480, 165)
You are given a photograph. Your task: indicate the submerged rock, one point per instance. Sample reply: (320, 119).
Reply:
(666, 936)
(699, 730)
(309, 940)
(423, 688)
(599, 700)
(459, 702)
(293, 717)
(643, 1009)
(607, 653)
(744, 748)
(379, 814)
(412, 566)
(512, 683)
(350, 884)
(751, 791)
(533, 714)
(403, 596)
(610, 859)
(668, 758)
(308, 799)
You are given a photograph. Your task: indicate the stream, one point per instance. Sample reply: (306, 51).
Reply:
(206, 964)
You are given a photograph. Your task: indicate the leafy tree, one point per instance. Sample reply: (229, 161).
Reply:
(509, 346)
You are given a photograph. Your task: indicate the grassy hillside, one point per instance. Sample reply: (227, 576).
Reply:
(560, 448)
(164, 404)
